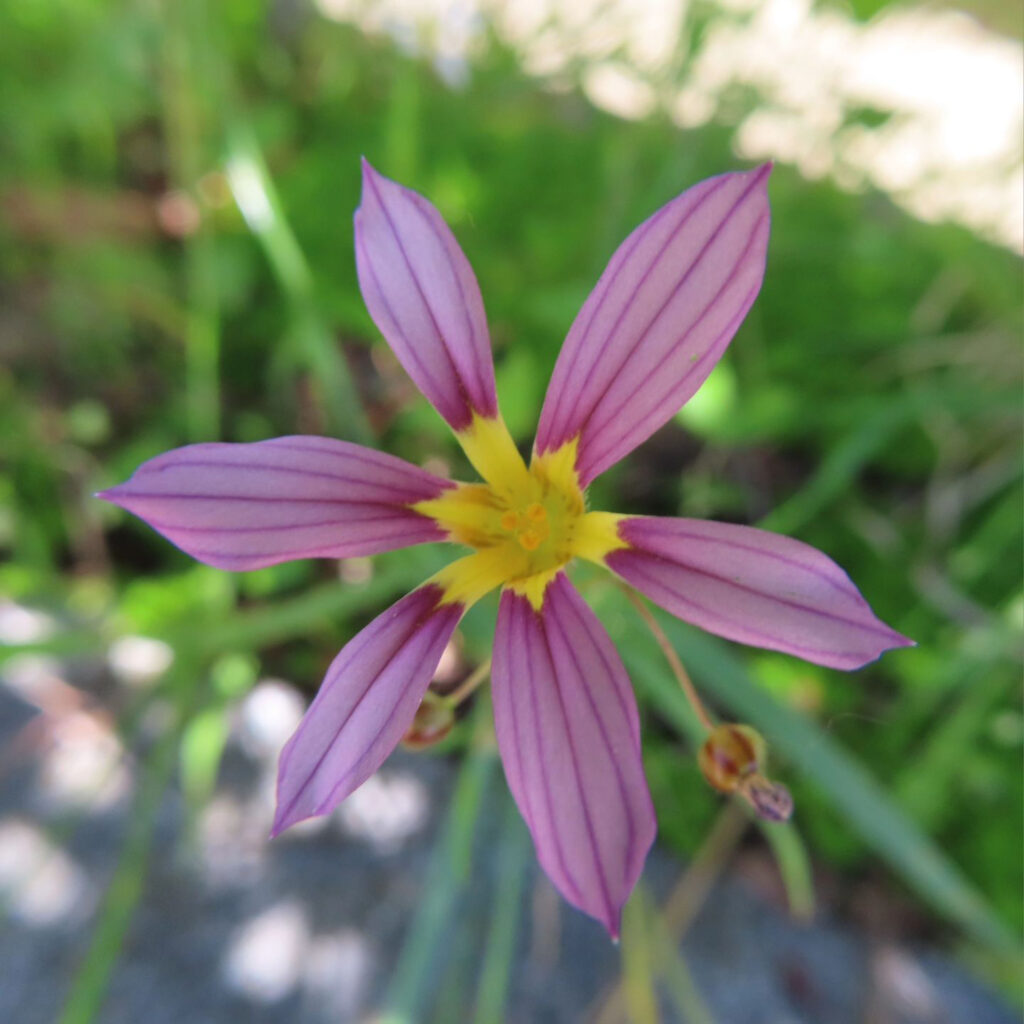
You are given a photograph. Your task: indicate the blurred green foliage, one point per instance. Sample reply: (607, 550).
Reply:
(870, 404)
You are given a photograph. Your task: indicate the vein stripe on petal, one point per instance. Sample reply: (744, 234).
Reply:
(244, 506)
(649, 312)
(598, 353)
(676, 385)
(424, 298)
(642, 574)
(754, 587)
(530, 667)
(613, 754)
(480, 349)
(379, 518)
(658, 535)
(600, 868)
(365, 705)
(663, 375)
(610, 662)
(398, 492)
(568, 732)
(560, 396)
(446, 399)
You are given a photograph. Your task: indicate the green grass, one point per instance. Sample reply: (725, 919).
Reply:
(854, 411)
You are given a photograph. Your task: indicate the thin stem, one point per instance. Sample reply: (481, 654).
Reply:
(188, 124)
(682, 676)
(685, 901)
(468, 685)
(690, 894)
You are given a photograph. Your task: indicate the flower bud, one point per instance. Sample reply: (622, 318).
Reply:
(434, 720)
(731, 759)
(770, 800)
(730, 754)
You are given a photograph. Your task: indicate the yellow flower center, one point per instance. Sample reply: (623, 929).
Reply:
(524, 524)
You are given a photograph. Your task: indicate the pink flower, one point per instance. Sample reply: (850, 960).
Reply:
(659, 319)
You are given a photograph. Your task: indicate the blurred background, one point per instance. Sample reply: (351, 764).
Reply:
(177, 181)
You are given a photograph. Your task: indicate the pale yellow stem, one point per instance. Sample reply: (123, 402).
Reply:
(682, 676)
(468, 685)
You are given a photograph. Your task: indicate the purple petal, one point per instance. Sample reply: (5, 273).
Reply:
(569, 737)
(423, 296)
(244, 506)
(753, 586)
(365, 705)
(658, 321)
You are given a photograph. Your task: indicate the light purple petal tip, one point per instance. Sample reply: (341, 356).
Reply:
(424, 298)
(245, 506)
(753, 586)
(658, 321)
(366, 704)
(569, 736)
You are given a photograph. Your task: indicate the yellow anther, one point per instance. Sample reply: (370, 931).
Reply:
(537, 512)
(509, 521)
(529, 540)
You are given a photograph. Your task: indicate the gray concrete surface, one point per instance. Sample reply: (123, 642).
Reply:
(309, 929)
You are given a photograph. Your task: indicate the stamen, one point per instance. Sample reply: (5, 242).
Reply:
(530, 540)
(509, 521)
(537, 512)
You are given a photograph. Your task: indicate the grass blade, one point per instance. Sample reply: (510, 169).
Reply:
(492, 988)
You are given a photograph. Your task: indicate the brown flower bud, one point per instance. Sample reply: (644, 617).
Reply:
(729, 755)
(731, 759)
(434, 720)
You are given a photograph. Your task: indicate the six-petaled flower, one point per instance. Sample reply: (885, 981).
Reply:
(566, 719)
